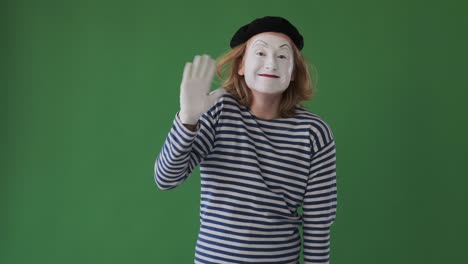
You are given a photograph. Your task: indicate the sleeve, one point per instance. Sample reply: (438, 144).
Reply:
(184, 149)
(320, 200)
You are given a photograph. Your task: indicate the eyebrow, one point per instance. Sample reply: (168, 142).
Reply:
(266, 44)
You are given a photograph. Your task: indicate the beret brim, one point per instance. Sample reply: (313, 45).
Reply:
(267, 24)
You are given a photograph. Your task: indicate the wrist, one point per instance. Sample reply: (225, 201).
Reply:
(186, 119)
(190, 127)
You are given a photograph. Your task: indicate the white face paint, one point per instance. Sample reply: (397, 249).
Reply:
(268, 63)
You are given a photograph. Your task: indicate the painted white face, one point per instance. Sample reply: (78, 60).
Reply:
(268, 63)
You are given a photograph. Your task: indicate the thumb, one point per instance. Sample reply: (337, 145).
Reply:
(215, 95)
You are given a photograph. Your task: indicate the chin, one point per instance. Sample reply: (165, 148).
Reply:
(268, 91)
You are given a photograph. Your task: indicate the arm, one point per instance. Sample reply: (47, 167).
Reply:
(184, 149)
(192, 135)
(320, 201)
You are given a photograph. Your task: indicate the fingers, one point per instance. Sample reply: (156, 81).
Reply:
(187, 71)
(210, 69)
(203, 67)
(196, 67)
(204, 64)
(199, 68)
(199, 74)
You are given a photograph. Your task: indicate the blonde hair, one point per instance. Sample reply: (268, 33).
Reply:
(299, 90)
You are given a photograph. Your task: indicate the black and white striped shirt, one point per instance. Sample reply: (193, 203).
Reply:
(255, 174)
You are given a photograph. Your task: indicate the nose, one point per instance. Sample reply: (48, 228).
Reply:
(271, 64)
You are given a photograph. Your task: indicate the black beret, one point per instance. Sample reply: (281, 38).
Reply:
(267, 24)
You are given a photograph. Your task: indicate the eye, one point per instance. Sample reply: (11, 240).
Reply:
(282, 57)
(260, 53)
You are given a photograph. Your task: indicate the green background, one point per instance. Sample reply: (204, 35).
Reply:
(89, 90)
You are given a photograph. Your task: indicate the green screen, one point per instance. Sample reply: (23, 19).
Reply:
(89, 90)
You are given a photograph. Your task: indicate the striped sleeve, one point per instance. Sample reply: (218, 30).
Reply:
(320, 200)
(184, 149)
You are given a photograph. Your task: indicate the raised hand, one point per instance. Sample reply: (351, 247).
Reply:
(195, 96)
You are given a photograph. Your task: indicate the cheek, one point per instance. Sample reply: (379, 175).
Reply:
(250, 66)
(287, 68)
(290, 67)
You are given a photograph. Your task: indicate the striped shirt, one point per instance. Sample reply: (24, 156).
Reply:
(255, 174)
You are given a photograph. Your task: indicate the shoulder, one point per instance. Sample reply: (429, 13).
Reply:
(229, 99)
(320, 131)
(223, 100)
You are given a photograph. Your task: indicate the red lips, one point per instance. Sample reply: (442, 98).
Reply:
(269, 75)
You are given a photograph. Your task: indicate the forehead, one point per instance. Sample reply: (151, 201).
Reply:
(274, 39)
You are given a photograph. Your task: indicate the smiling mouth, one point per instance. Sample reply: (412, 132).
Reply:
(269, 75)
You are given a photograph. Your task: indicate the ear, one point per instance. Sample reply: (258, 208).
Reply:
(241, 70)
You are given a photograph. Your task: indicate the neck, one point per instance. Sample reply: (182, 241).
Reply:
(265, 106)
